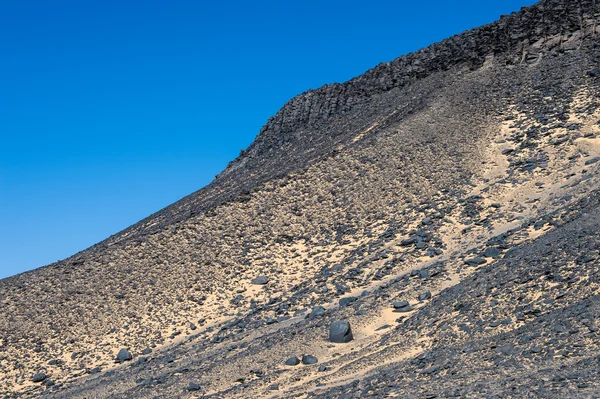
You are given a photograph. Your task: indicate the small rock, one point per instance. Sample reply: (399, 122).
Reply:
(322, 368)
(193, 387)
(592, 161)
(408, 241)
(260, 280)
(39, 377)
(425, 296)
(400, 304)
(308, 359)
(292, 361)
(475, 261)
(192, 326)
(347, 301)
(340, 332)
(424, 274)
(317, 311)
(491, 252)
(123, 356)
(147, 351)
(429, 370)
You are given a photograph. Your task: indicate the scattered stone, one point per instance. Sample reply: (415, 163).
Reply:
(491, 252)
(408, 241)
(316, 311)
(424, 274)
(475, 261)
(193, 387)
(308, 359)
(260, 280)
(39, 377)
(192, 326)
(430, 370)
(400, 304)
(402, 307)
(340, 332)
(347, 301)
(292, 361)
(425, 296)
(123, 356)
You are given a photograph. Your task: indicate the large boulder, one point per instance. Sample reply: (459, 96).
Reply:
(340, 332)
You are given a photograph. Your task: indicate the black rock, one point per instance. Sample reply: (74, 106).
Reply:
(425, 296)
(592, 161)
(322, 368)
(260, 280)
(39, 377)
(347, 301)
(123, 356)
(408, 241)
(193, 387)
(308, 359)
(147, 351)
(340, 332)
(400, 304)
(292, 361)
(192, 326)
(475, 261)
(491, 252)
(424, 274)
(317, 311)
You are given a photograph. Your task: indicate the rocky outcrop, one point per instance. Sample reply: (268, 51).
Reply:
(551, 21)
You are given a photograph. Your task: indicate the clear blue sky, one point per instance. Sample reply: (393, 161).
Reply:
(111, 110)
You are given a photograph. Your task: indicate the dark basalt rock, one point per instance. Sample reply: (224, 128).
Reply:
(193, 387)
(308, 359)
(123, 356)
(292, 361)
(260, 280)
(39, 377)
(340, 332)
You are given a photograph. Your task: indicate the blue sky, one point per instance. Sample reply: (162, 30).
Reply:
(112, 110)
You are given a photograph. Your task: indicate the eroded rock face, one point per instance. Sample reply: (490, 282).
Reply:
(524, 34)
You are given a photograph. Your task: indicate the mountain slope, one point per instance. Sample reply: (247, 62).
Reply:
(474, 160)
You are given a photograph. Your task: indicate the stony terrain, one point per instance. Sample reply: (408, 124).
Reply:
(446, 204)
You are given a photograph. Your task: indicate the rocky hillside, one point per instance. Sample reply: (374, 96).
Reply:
(445, 205)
